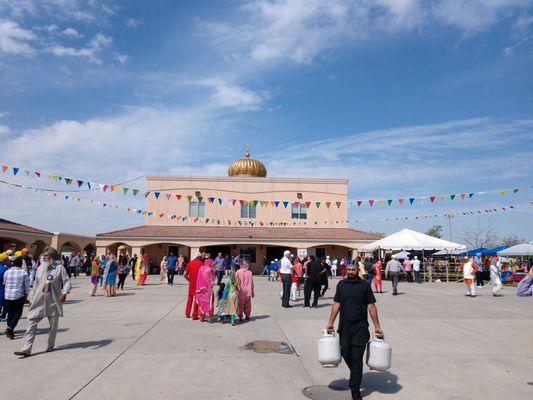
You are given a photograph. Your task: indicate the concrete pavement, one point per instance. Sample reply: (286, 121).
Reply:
(138, 345)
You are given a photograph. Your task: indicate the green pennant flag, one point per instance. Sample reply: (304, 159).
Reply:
(262, 203)
(135, 191)
(452, 196)
(317, 204)
(515, 190)
(68, 181)
(389, 201)
(200, 198)
(189, 198)
(125, 190)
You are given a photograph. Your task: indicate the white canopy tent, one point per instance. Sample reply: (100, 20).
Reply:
(402, 255)
(448, 252)
(523, 249)
(407, 239)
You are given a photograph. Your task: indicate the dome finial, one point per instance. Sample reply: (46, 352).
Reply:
(247, 152)
(247, 166)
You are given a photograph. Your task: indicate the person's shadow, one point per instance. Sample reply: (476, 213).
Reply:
(373, 381)
(91, 344)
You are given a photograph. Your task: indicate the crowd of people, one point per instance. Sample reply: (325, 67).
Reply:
(233, 299)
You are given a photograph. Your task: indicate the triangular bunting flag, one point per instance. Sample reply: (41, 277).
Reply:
(471, 195)
(80, 183)
(432, 198)
(371, 202)
(400, 201)
(515, 190)
(338, 204)
(307, 204)
(276, 203)
(68, 181)
(317, 204)
(359, 202)
(15, 170)
(411, 200)
(381, 202)
(502, 192)
(212, 199)
(168, 195)
(452, 196)
(125, 190)
(178, 196)
(389, 201)
(156, 194)
(146, 194)
(328, 204)
(297, 203)
(189, 198)
(4, 168)
(135, 191)
(220, 200)
(200, 198)
(463, 195)
(443, 197)
(36, 173)
(285, 204)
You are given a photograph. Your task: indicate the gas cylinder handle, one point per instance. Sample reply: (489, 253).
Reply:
(326, 332)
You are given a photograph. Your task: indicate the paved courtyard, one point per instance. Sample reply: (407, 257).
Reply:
(139, 345)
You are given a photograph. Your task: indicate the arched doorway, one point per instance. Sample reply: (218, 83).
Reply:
(69, 247)
(89, 250)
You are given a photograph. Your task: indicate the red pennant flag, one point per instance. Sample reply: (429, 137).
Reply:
(233, 202)
(104, 188)
(432, 198)
(297, 203)
(241, 201)
(338, 204)
(371, 202)
(178, 196)
(307, 204)
(38, 174)
(463, 196)
(4, 168)
(359, 202)
(400, 201)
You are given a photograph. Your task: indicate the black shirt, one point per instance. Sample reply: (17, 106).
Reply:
(313, 269)
(354, 297)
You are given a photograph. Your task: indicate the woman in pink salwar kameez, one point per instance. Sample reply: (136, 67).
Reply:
(246, 290)
(204, 290)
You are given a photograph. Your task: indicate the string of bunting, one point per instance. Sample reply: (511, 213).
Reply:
(254, 222)
(162, 195)
(444, 215)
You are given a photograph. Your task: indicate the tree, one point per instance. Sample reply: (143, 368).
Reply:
(479, 236)
(435, 231)
(513, 240)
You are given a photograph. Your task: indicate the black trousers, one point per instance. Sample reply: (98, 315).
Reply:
(170, 275)
(353, 357)
(220, 275)
(121, 280)
(311, 285)
(409, 276)
(14, 312)
(395, 278)
(479, 278)
(286, 283)
(325, 283)
(133, 272)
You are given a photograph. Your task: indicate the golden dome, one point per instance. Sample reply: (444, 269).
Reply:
(247, 167)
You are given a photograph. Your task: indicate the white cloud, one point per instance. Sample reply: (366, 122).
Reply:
(121, 58)
(71, 32)
(4, 130)
(436, 154)
(16, 40)
(4, 114)
(91, 52)
(226, 94)
(304, 30)
(133, 23)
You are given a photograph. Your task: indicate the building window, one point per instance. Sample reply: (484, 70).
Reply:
(248, 211)
(197, 209)
(299, 211)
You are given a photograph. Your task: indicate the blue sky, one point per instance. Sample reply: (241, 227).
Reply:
(403, 97)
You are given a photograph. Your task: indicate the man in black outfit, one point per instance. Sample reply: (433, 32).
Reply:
(315, 271)
(354, 299)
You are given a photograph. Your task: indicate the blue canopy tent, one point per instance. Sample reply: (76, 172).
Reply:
(473, 252)
(494, 251)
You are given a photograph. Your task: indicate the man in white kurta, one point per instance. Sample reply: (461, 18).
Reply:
(50, 290)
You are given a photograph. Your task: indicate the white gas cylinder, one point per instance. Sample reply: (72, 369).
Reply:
(329, 350)
(378, 355)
